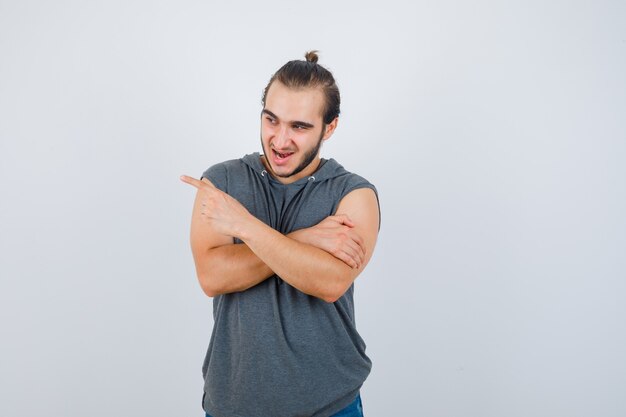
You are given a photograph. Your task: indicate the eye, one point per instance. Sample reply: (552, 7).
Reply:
(299, 127)
(271, 120)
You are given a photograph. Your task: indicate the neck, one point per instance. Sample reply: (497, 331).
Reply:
(306, 172)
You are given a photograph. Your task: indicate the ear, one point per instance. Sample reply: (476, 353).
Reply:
(330, 128)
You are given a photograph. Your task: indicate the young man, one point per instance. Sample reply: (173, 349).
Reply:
(278, 240)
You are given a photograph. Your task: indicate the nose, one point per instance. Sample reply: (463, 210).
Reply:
(281, 139)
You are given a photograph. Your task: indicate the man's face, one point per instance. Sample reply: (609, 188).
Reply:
(292, 131)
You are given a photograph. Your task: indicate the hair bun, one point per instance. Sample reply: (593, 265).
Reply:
(311, 56)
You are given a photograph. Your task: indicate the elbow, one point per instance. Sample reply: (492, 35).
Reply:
(206, 272)
(335, 292)
(209, 293)
(334, 288)
(330, 298)
(208, 285)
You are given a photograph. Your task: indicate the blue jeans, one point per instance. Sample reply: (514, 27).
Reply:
(353, 410)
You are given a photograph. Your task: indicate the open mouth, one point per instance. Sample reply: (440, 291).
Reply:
(281, 156)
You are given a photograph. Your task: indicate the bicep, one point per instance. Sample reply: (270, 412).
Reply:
(361, 206)
(203, 237)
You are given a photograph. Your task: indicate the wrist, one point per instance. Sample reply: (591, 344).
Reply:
(298, 235)
(246, 228)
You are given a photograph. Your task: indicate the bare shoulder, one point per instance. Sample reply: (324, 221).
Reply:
(361, 205)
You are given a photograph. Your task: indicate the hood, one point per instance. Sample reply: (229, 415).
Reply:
(329, 168)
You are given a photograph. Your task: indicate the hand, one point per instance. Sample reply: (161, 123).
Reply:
(335, 235)
(225, 214)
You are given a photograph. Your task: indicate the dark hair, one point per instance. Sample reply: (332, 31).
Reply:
(309, 74)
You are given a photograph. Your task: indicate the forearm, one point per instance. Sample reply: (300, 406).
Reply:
(305, 267)
(232, 268)
(324, 265)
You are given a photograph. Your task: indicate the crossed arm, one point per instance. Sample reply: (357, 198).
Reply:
(321, 261)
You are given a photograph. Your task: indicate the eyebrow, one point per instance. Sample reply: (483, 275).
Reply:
(295, 122)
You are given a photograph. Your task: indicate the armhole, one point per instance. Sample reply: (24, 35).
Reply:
(218, 177)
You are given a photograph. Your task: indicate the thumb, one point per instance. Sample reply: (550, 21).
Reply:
(344, 219)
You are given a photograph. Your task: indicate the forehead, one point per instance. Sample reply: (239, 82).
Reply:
(304, 104)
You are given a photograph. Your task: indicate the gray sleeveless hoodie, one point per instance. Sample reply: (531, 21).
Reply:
(275, 351)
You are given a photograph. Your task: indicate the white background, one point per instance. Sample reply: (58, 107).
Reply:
(494, 131)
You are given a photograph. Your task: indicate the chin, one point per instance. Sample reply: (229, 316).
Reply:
(283, 172)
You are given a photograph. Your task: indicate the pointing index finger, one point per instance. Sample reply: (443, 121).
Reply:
(192, 181)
